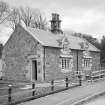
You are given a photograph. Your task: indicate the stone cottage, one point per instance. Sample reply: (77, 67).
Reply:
(36, 55)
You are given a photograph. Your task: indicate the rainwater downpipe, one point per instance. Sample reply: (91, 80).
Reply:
(77, 60)
(44, 64)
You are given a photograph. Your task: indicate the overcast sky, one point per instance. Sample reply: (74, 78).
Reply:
(86, 16)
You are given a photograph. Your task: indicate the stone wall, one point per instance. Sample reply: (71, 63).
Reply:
(52, 64)
(53, 70)
(96, 61)
(16, 54)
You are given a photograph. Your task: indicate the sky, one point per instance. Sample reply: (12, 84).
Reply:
(85, 16)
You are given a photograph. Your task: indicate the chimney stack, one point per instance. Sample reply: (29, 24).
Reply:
(55, 23)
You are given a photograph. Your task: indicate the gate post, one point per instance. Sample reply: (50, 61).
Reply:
(66, 82)
(33, 87)
(52, 85)
(9, 94)
(80, 79)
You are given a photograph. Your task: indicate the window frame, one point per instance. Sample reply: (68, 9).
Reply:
(66, 64)
(87, 63)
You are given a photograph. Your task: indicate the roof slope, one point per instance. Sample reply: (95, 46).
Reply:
(75, 43)
(47, 38)
(44, 37)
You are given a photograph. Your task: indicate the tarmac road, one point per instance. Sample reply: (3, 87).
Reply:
(97, 101)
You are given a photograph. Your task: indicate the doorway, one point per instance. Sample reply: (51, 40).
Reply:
(34, 69)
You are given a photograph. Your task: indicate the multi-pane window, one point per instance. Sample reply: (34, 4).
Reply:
(66, 63)
(87, 62)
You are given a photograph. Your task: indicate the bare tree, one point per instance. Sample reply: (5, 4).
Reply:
(40, 22)
(26, 15)
(12, 16)
(8, 16)
(33, 18)
(4, 11)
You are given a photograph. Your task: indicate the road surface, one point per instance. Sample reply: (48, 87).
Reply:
(97, 101)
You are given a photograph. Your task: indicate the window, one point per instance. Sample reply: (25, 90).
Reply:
(66, 63)
(87, 62)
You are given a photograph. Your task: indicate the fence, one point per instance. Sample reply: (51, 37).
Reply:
(96, 75)
(51, 87)
(16, 95)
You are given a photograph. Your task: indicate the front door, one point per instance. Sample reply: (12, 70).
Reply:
(34, 70)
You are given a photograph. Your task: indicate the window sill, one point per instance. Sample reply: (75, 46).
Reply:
(87, 68)
(66, 70)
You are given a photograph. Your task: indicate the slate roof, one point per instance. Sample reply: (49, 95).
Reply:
(75, 43)
(46, 38)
